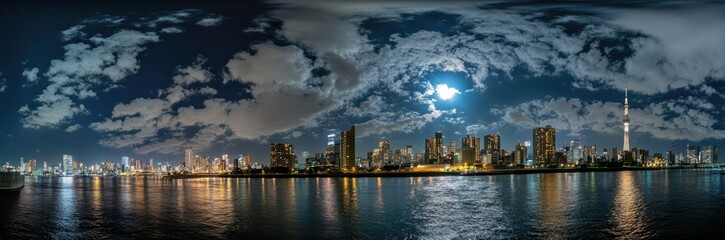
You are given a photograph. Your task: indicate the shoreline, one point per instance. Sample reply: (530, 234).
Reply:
(427, 174)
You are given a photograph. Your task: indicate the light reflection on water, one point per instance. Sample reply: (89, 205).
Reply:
(605, 205)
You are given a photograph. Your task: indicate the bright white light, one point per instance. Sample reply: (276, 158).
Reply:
(445, 93)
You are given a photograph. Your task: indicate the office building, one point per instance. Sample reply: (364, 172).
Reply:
(434, 148)
(282, 155)
(347, 149)
(544, 145)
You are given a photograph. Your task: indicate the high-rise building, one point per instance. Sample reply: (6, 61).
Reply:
(708, 154)
(692, 155)
(492, 146)
(125, 164)
(189, 157)
(625, 146)
(247, 162)
(282, 155)
(491, 143)
(519, 155)
(347, 148)
(473, 143)
(544, 145)
(385, 153)
(332, 152)
(67, 165)
(613, 155)
(434, 148)
(590, 153)
(30, 167)
(575, 151)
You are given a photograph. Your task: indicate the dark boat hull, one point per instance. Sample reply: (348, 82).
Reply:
(11, 181)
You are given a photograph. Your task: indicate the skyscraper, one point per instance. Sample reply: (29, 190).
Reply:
(434, 148)
(519, 155)
(708, 154)
(124, 163)
(626, 123)
(282, 155)
(385, 153)
(492, 146)
(246, 162)
(575, 153)
(347, 148)
(492, 142)
(472, 143)
(67, 165)
(189, 155)
(544, 145)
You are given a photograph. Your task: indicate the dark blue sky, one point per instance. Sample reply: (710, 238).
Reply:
(103, 80)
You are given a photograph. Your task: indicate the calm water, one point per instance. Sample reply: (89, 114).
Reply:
(628, 205)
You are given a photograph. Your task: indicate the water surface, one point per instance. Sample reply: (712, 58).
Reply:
(605, 205)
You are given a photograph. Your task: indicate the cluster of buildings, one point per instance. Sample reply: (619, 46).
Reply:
(471, 154)
(71, 167)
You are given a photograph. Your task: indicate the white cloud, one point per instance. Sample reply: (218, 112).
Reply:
(85, 66)
(73, 32)
(31, 74)
(51, 114)
(73, 128)
(171, 30)
(210, 21)
(193, 74)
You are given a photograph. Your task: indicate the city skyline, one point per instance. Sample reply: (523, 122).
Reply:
(98, 82)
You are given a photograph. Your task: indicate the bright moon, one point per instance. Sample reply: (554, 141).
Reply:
(445, 92)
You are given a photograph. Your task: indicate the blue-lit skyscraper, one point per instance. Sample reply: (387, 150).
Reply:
(67, 167)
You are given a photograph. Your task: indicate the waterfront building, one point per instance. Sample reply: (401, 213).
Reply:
(30, 167)
(708, 154)
(189, 159)
(332, 152)
(282, 155)
(474, 144)
(625, 146)
(575, 151)
(519, 155)
(544, 145)
(492, 145)
(613, 155)
(589, 153)
(434, 148)
(125, 164)
(67, 165)
(692, 154)
(347, 148)
(247, 161)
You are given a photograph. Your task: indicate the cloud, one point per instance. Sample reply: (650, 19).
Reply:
(99, 63)
(172, 30)
(31, 74)
(262, 25)
(210, 21)
(193, 74)
(73, 32)
(51, 114)
(3, 83)
(73, 128)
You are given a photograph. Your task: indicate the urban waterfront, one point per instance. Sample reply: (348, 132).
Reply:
(676, 203)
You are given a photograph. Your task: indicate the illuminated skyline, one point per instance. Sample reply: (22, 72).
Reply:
(150, 80)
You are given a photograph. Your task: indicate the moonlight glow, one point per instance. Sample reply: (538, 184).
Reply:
(445, 92)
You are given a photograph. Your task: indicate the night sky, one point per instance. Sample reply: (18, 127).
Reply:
(103, 79)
